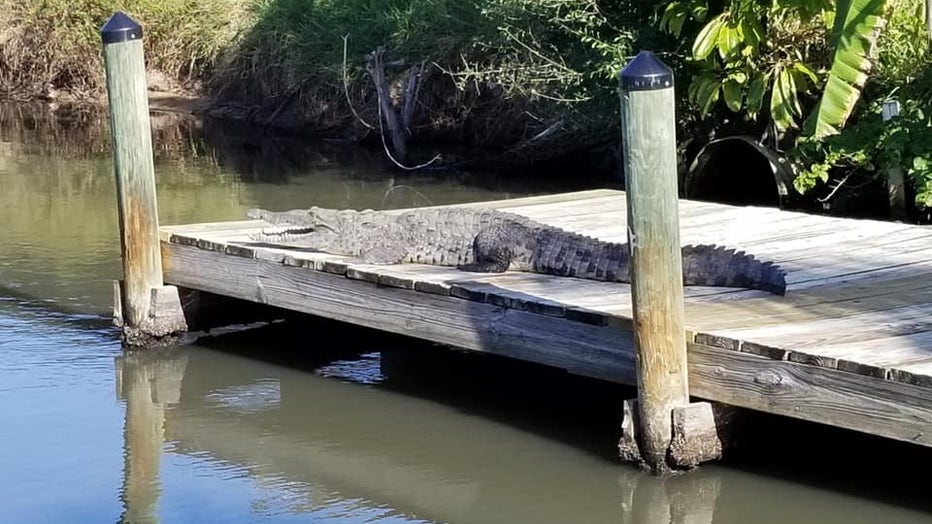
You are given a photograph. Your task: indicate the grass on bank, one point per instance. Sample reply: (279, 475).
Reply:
(55, 44)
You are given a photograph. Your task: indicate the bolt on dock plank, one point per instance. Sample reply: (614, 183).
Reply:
(847, 346)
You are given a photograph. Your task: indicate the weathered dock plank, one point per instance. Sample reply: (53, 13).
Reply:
(847, 400)
(848, 345)
(587, 349)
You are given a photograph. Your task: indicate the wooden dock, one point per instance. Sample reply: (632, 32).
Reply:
(849, 345)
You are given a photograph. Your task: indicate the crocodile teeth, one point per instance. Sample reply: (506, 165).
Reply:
(281, 230)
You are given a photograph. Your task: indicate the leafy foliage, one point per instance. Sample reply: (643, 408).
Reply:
(874, 147)
(564, 50)
(870, 146)
(903, 52)
(751, 49)
(842, 59)
(787, 49)
(854, 33)
(577, 47)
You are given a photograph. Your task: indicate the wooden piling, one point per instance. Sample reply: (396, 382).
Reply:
(649, 141)
(143, 300)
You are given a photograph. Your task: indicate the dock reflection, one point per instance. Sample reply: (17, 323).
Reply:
(324, 439)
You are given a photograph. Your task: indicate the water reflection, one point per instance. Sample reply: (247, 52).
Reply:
(388, 429)
(148, 382)
(328, 440)
(60, 240)
(688, 499)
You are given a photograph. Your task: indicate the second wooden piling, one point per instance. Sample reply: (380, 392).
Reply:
(649, 140)
(661, 429)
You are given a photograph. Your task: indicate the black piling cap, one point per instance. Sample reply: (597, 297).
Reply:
(646, 73)
(120, 28)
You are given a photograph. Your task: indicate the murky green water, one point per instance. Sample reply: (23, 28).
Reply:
(312, 421)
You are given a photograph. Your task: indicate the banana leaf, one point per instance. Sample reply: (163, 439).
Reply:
(853, 39)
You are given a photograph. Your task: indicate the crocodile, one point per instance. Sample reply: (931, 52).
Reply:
(493, 241)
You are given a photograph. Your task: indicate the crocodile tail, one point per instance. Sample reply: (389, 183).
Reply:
(711, 265)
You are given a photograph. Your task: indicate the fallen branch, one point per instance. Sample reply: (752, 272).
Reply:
(551, 129)
(386, 112)
(389, 153)
(412, 87)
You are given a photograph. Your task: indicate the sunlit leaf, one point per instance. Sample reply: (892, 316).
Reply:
(731, 90)
(756, 91)
(728, 40)
(708, 38)
(921, 164)
(739, 76)
(784, 105)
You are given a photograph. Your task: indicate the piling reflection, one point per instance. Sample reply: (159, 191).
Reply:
(148, 382)
(683, 499)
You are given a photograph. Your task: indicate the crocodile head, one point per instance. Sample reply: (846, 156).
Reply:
(317, 228)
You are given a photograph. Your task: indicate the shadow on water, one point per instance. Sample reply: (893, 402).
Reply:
(457, 436)
(337, 424)
(476, 384)
(265, 156)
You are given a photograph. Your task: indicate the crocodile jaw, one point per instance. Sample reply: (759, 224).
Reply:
(317, 237)
(287, 230)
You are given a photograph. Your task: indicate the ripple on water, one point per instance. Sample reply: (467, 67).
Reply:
(247, 398)
(61, 419)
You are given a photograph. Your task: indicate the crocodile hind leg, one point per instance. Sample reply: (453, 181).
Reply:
(485, 266)
(491, 253)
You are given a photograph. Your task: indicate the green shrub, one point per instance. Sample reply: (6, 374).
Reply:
(299, 44)
(873, 147)
(868, 145)
(500, 70)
